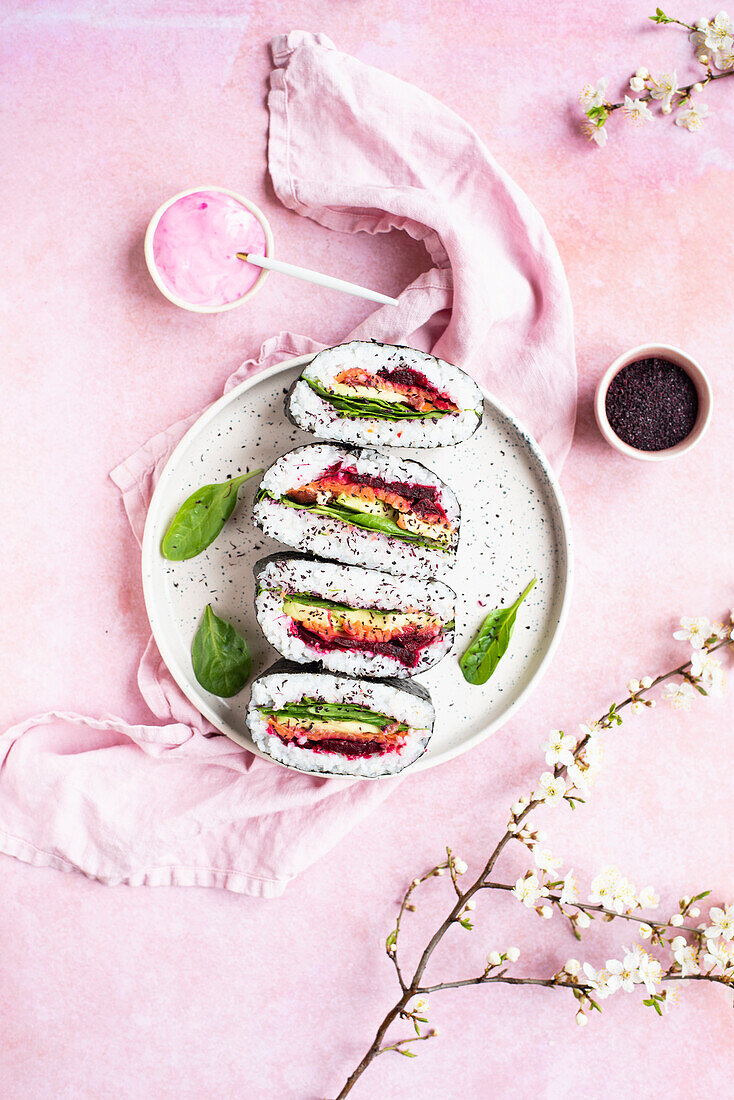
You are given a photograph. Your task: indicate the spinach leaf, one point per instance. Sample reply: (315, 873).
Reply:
(371, 408)
(483, 655)
(362, 519)
(201, 517)
(221, 659)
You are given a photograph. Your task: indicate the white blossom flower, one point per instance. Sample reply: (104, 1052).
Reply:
(724, 59)
(693, 629)
(513, 954)
(545, 860)
(572, 967)
(637, 84)
(697, 39)
(708, 669)
(721, 923)
(551, 788)
(592, 727)
(592, 95)
(645, 931)
(626, 971)
(528, 890)
(623, 895)
(720, 33)
(686, 957)
(679, 696)
(494, 958)
(650, 972)
(603, 887)
(633, 957)
(637, 708)
(570, 892)
(602, 981)
(691, 118)
(598, 134)
(637, 110)
(665, 87)
(719, 953)
(460, 867)
(559, 748)
(648, 899)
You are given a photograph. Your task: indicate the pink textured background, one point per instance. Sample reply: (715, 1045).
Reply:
(107, 108)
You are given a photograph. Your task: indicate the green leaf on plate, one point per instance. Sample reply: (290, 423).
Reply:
(201, 517)
(484, 654)
(221, 659)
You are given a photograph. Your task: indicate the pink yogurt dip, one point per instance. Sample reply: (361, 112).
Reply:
(195, 245)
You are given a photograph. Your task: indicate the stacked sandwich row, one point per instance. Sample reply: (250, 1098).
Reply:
(354, 629)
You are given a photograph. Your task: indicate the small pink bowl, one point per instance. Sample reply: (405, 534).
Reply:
(695, 373)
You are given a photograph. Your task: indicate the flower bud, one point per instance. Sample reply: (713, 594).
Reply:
(494, 958)
(702, 25)
(582, 920)
(513, 954)
(698, 86)
(581, 1019)
(676, 920)
(642, 73)
(695, 911)
(666, 109)
(572, 967)
(637, 84)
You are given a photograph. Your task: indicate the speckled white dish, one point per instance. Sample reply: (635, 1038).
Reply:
(514, 526)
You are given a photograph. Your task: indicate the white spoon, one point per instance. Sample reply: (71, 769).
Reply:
(316, 277)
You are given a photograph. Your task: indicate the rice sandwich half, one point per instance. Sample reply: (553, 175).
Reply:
(353, 620)
(382, 394)
(335, 725)
(362, 507)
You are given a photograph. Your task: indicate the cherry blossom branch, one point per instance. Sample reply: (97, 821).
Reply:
(713, 42)
(571, 771)
(586, 907)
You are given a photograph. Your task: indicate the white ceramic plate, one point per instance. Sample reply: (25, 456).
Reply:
(514, 526)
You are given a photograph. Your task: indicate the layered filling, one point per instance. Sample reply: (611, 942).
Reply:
(325, 625)
(400, 393)
(348, 729)
(397, 508)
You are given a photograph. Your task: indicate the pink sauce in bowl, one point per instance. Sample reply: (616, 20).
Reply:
(191, 247)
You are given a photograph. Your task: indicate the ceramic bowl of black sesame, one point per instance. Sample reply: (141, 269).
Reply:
(653, 402)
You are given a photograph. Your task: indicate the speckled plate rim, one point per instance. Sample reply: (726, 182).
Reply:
(151, 559)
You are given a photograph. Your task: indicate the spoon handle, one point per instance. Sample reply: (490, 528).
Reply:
(317, 277)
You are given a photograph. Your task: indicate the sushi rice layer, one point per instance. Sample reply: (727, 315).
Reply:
(406, 703)
(314, 412)
(285, 574)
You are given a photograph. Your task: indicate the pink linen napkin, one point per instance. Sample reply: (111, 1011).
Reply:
(173, 803)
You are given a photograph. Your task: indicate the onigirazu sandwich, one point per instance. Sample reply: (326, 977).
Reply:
(382, 394)
(362, 507)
